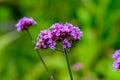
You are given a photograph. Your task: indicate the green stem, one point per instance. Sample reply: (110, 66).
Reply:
(51, 76)
(59, 50)
(68, 63)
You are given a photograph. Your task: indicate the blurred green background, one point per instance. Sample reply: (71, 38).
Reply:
(98, 19)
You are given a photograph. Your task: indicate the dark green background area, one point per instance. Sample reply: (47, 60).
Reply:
(99, 20)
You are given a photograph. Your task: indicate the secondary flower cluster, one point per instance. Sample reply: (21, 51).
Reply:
(25, 23)
(116, 63)
(65, 33)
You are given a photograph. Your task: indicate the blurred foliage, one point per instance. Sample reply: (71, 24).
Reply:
(98, 19)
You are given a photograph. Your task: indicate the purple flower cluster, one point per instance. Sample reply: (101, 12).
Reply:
(116, 63)
(25, 23)
(58, 33)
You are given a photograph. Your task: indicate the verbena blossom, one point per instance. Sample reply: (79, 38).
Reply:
(116, 63)
(25, 23)
(65, 33)
(66, 43)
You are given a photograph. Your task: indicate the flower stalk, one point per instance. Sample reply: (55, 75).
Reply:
(68, 63)
(59, 50)
(38, 53)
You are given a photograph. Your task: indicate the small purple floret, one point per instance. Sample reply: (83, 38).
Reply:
(66, 43)
(25, 23)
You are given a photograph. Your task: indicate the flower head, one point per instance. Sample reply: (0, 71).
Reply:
(65, 33)
(116, 63)
(25, 23)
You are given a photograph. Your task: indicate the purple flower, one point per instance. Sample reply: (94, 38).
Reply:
(25, 23)
(66, 43)
(56, 29)
(77, 66)
(65, 33)
(116, 63)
